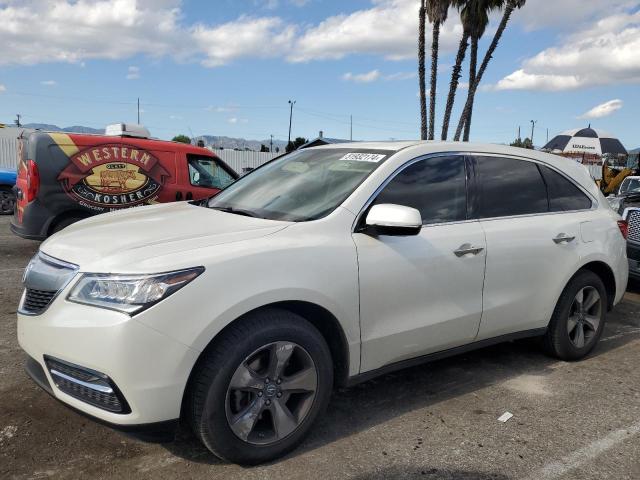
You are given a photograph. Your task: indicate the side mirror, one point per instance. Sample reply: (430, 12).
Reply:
(390, 219)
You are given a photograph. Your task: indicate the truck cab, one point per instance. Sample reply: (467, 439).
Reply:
(66, 177)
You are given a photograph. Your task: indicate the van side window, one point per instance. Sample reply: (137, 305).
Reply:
(207, 172)
(437, 187)
(510, 187)
(563, 194)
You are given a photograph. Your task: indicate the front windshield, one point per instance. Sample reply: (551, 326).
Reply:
(630, 185)
(304, 185)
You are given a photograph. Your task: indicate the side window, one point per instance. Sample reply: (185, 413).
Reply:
(510, 187)
(207, 172)
(434, 186)
(563, 195)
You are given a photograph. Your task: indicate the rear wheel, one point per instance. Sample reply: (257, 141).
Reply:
(578, 319)
(260, 387)
(7, 201)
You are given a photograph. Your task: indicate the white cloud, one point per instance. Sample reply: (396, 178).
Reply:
(368, 77)
(401, 76)
(49, 83)
(388, 29)
(606, 53)
(375, 75)
(38, 31)
(133, 73)
(245, 37)
(568, 15)
(2, 88)
(603, 110)
(234, 120)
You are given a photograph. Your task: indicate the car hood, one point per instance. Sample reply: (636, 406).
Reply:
(126, 237)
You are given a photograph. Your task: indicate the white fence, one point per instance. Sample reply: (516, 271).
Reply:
(8, 153)
(242, 161)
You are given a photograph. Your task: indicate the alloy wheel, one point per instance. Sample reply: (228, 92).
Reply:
(584, 316)
(271, 393)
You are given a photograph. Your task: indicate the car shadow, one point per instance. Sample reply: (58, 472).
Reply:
(381, 399)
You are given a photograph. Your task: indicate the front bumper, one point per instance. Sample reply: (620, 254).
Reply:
(149, 368)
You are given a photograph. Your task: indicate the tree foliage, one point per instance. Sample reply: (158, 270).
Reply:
(295, 144)
(182, 139)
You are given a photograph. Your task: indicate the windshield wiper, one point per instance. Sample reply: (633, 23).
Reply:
(236, 211)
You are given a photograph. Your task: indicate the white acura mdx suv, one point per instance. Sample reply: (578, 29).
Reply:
(325, 267)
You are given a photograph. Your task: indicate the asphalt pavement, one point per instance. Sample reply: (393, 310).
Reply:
(437, 421)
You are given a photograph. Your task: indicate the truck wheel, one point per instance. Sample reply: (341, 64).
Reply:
(578, 319)
(7, 201)
(259, 388)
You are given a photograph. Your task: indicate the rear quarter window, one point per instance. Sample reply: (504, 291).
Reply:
(564, 196)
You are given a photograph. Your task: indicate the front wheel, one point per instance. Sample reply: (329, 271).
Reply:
(260, 387)
(578, 319)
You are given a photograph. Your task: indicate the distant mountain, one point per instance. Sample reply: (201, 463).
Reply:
(55, 128)
(635, 150)
(239, 143)
(209, 140)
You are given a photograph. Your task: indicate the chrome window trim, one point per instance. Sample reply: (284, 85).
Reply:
(594, 201)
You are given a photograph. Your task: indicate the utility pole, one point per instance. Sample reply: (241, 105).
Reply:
(271, 145)
(351, 128)
(138, 110)
(291, 103)
(18, 117)
(519, 132)
(547, 135)
(533, 126)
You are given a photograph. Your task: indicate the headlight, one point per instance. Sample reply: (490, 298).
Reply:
(129, 293)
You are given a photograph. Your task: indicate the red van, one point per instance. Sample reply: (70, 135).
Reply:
(63, 178)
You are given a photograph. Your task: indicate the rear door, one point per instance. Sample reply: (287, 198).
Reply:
(531, 216)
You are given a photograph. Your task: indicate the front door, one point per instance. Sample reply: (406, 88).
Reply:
(421, 294)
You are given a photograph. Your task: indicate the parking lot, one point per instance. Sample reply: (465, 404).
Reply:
(437, 421)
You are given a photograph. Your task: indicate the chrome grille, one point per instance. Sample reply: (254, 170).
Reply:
(43, 278)
(634, 225)
(36, 301)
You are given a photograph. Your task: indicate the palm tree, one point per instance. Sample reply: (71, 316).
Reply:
(457, 68)
(421, 70)
(475, 18)
(511, 5)
(437, 12)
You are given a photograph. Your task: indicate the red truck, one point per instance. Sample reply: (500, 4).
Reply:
(63, 178)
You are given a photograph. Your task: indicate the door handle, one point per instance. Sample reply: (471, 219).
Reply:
(467, 249)
(564, 238)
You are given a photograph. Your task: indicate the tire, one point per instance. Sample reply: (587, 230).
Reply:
(7, 201)
(240, 425)
(563, 339)
(64, 223)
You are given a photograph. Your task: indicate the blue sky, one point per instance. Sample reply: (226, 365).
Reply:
(229, 67)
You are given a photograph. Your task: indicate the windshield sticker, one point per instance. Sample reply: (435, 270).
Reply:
(363, 157)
